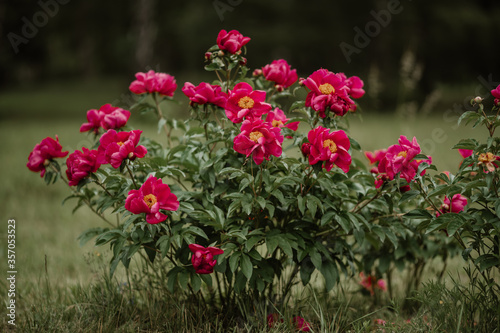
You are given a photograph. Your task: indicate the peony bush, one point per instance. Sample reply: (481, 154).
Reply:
(260, 188)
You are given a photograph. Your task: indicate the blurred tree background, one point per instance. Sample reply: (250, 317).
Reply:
(423, 48)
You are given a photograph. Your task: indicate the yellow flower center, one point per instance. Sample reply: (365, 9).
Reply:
(120, 143)
(326, 89)
(150, 200)
(330, 144)
(403, 153)
(246, 102)
(486, 158)
(255, 136)
(277, 123)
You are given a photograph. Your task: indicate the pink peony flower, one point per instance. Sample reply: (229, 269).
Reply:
(150, 198)
(107, 117)
(80, 164)
(278, 119)
(43, 152)
(259, 139)
(300, 324)
(205, 93)
(117, 146)
(152, 82)
(400, 159)
(332, 148)
(280, 72)
(244, 102)
(231, 41)
(376, 156)
(455, 205)
(272, 319)
(370, 282)
(355, 85)
(203, 258)
(465, 152)
(496, 92)
(328, 91)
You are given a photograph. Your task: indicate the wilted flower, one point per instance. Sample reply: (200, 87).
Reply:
(43, 152)
(489, 161)
(272, 319)
(259, 139)
(117, 146)
(244, 102)
(205, 93)
(107, 117)
(332, 148)
(152, 82)
(280, 72)
(231, 41)
(150, 198)
(203, 258)
(80, 164)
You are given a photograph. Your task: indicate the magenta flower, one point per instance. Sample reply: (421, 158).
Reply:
(150, 198)
(203, 258)
(43, 152)
(300, 324)
(259, 139)
(115, 147)
(332, 148)
(277, 118)
(152, 82)
(272, 319)
(80, 164)
(355, 85)
(205, 93)
(231, 41)
(455, 205)
(370, 283)
(244, 102)
(465, 152)
(107, 117)
(328, 91)
(400, 159)
(280, 72)
(496, 92)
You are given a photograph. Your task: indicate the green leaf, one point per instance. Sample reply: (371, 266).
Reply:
(246, 266)
(418, 213)
(271, 243)
(233, 261)
(285, 246)
(330, 273)
(301, 204)
(408, 196)
(196, 282)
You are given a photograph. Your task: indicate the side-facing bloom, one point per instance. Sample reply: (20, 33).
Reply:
(455, 205)
(107, 117)
(231, 41)
(150, 198)
(280, 72)
(465, 152)
(259, 139)
(355, 85)
(496, 93)
(489, 161)
(328, 91)
(244, 102)
(152, 82)
(277, 118)
(330, 147)
(117, 146)
(205, 93)
(81, 164)
(203, 258)
(43, 152)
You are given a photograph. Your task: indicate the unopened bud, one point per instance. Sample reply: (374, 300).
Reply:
(257, 72)
(497, 102)
(243, 61)
(220, 53)
(478, 99)
(301, 81)
(208, 55)
(279, 88)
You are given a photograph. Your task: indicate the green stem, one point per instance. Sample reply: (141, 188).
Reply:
(131, 175)
(160, 117)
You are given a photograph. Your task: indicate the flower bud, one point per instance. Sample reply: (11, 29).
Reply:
(220, 53)
(497, 102)
(257, 72)
(301, 81)
(243, 61)
(208, 55)
(478, 99)
(279, 88)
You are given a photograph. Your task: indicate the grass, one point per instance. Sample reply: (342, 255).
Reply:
(62, 287)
